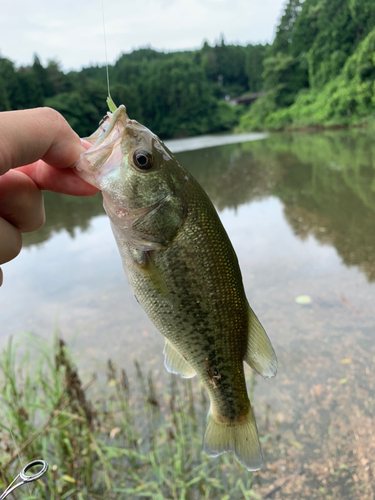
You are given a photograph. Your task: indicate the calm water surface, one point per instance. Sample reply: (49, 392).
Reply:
(300, 211)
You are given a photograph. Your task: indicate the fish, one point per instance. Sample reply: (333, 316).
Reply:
(184, 272)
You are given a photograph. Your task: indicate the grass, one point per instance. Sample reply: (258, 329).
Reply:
(111, 438)
(107, 442)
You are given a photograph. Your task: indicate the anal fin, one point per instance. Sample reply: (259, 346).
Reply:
(175, 363)
(260, 354)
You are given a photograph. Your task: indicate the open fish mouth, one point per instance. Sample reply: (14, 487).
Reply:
(108, 125)
(106, 148)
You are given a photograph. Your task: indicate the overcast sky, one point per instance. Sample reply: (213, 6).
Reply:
(71, 31)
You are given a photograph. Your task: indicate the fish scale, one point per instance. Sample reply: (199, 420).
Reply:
(185, 274)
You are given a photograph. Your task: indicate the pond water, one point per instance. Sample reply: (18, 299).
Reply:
(300, 211)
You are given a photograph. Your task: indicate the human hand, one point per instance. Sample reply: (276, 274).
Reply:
(37, 147)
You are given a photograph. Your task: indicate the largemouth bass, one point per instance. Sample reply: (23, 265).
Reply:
(184, 272)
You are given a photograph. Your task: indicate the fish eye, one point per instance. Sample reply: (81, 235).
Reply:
(143, 160)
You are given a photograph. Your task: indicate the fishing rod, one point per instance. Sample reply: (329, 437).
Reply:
(24, 478)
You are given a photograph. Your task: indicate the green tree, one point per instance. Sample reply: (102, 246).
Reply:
(57, 78)
(305, 28)
(320, 69)
(286, 68)
(175, 94)
(363, 14)
(42, 76)
(80, 113)
(285, 30)
(8, 84)
(286, 76)
(254, 66)
(129, 96)
(225, 65)
(28, 93)
(335, 40)
(179, 99)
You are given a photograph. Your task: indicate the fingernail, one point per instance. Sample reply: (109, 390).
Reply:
(86, 144)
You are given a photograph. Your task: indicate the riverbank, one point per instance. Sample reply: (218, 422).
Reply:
(343, 97)
(108, 436)
(211, 141)
(299, 209)
(362, 124)
(289, 120)
(115, 437)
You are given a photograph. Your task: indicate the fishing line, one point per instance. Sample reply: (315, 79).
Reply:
(105, 48)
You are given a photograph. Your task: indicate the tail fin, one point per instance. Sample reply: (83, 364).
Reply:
(240, 438)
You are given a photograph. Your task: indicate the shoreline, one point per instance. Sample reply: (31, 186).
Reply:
(211, 141)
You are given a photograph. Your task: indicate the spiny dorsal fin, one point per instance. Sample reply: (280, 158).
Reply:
(260, 354)
(176, 363)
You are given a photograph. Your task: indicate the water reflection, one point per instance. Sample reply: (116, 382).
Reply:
(232, 175)
(297, 207)
(327, 187)
(325, 181)
(65, 213)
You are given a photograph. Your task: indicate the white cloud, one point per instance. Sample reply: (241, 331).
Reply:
(72, 31)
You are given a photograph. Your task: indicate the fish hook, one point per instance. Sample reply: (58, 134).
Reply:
(26, 478)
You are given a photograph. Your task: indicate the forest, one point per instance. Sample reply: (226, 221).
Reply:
(318, 72)
(175, 94)
(320, 69)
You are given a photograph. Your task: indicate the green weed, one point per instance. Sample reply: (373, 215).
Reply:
(114, 441)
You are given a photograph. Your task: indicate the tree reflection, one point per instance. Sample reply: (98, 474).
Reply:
(326, 182)
(231, 175)
(328, 191)
(65, 213)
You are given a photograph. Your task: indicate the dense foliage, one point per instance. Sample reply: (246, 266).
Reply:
(320, 69)
(174, 94)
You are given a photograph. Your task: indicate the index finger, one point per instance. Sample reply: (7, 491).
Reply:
(33, 134)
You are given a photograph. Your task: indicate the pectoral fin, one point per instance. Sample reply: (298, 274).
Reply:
(176, 363)
(260, 354)
(156, 277)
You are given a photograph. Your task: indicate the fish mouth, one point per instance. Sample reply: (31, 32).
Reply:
(108, 126)
(106, 148)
